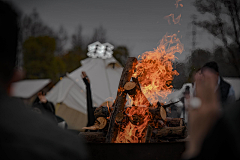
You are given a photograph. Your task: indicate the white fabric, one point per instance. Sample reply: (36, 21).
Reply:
(27, 88)
(104, 80)
(235, 83)
(175, 95)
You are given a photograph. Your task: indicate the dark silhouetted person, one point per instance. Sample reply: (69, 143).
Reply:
(25, 134)
(214, 134)
(43, 106)
(227, 94)
(90, 109)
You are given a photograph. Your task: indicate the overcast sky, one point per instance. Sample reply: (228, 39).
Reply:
(138, 24)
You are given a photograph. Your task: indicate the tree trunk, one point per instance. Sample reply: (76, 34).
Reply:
(224, 39)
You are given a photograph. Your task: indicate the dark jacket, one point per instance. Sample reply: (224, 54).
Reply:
(46, 109)
(90, 109)
(27, 135)
(223, 88)
(223, 141)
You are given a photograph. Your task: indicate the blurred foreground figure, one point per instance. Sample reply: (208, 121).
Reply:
(225, 90)
(213, 134)
(25, 134)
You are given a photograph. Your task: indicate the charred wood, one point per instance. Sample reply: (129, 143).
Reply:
(149, 134)
(134, 91)
(120, 100)
(102, 111)
(93, 137)
(171, 132)
(100, 123)
(174, 122)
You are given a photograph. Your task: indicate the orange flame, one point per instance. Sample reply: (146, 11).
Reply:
(134, 130)
(175, 20)
(154, 70)
(176, 4)
(155, 74)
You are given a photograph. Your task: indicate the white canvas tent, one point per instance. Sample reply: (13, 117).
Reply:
(27, 89)
(70, 94)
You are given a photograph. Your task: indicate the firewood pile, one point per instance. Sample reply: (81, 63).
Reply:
(150, 120)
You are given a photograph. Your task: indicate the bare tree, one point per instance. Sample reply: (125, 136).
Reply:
(99, 34)
(77, 38)
(32, 26)
(61, 37)
(224, 25)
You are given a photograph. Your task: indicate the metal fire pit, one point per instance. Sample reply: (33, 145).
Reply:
(147, 151)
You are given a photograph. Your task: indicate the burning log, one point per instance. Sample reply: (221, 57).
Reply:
(163, 113)
(119, 117)
(171, 128)
(136, 119)
(162, 124)
(174, 122)
(129, 86)
(171, 132)
(149, 134)
(158, 113)
(100, 123)
(102, 111)
(93, 137)
(134, 91)
(120, 100)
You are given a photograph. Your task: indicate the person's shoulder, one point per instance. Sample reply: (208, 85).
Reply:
(230, 121)
(36, 134)
(233, 112)
(223, 81)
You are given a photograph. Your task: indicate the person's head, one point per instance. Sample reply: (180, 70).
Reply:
(212, 67)
(186, 92)
(187, 89)
(8, 44)
(41, 93)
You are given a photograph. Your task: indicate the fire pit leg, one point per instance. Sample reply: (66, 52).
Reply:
(120, 100)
